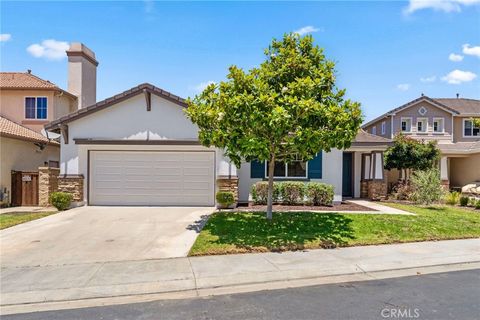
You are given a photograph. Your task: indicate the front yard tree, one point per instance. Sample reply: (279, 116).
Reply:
(287, 107)
(410, 154)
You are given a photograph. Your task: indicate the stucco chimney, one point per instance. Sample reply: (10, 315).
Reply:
(82, 74)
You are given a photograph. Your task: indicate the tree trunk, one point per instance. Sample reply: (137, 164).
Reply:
(271, 168)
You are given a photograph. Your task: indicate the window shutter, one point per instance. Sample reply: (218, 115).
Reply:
(315, 167)
(257, 169)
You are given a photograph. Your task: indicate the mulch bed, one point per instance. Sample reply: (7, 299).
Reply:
(344, 206)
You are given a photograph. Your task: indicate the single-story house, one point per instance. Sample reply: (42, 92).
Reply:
(139, 148)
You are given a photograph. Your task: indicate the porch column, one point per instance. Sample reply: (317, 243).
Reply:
(444, 174)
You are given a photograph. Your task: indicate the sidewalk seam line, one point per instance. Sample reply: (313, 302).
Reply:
(194, 277)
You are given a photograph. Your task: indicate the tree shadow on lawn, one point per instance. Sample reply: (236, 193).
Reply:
(286, 231)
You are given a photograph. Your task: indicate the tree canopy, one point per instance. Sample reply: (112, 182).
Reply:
(287, 107)
(409, 153)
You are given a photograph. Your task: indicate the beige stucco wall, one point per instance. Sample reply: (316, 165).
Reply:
(432, 112)
(458, 131)
(464, 170)
(12, 106)
(22, 155)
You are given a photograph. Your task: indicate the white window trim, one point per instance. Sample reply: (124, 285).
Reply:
(25, 113)
(411, 124)
(442, 120)
(463, 131)
(286, 172)
(425, 121)
(374, 130)
(383, 125)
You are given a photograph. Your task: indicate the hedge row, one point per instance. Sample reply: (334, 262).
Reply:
(294, 193)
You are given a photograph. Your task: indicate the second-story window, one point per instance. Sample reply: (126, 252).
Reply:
(470, 129)
(383, 127)
(374, 130)
(438, 125)
(36, 107)
(406, 124)
(422, 125)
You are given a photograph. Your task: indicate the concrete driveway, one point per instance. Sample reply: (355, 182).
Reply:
(101, 234)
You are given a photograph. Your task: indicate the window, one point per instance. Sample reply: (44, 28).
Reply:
(383, 127)
(53, 164)
(36, 108)
(438, 125)
(422, 124)
(295, 169)
(470, 130)
(374, 130)
(406, 124)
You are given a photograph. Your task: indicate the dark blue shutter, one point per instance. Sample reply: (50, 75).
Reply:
(315, 167)
(257, 169)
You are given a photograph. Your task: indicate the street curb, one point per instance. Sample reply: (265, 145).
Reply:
(234, 289)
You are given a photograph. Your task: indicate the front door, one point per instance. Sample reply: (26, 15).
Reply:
(347, 178)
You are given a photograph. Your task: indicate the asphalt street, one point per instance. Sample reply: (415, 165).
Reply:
(452, 295)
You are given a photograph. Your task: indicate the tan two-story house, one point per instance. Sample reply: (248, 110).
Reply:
(27, 103)
(447, 121)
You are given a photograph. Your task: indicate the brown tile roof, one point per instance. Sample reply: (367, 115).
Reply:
(145, 87)
(12, 129)
(26, 80)
(365, 138)
(461, 105)
(460, 147)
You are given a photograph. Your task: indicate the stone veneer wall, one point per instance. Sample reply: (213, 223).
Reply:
(363, 189)
(47, 183)
(72, 184)
(445, 185)
(377, 189)
(226, 183)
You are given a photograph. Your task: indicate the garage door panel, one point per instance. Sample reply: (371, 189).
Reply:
(152, 178)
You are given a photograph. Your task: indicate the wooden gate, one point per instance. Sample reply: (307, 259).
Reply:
(24, 188)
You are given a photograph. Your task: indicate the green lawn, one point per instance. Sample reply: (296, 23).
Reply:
(231, 232)
(13, 218)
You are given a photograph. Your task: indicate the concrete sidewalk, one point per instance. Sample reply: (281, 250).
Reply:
(50, 283)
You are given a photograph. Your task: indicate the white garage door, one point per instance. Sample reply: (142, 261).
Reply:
(152, 178)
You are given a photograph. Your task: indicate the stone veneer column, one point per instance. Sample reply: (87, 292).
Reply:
(47, 183)
(226, 183)
(72, 184)
(377, 189)
(363, 189)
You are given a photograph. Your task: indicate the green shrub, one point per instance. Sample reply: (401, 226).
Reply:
(402, 191)
(472, 202)
(427, 187)
(319, 194)
(225, 198)
(292, 192)
(259, 192)
(452, 198)
(61, 200)
(477, 204)
(464, 201)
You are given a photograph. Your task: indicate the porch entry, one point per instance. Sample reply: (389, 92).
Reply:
(347, 175)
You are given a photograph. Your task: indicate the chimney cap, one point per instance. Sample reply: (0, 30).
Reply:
(79, 49)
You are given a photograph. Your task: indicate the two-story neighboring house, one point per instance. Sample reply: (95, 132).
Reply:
(27, 103)
(449, 122)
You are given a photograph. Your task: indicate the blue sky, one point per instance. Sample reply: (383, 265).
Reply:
(387, 53)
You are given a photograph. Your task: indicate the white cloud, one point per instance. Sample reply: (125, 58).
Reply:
(459, 76)
(202, 85)
(428, 79)
(438, 5)
(455, 57)
(403, 86)
(5, 37)
(49, 49)
(306, 29)
(472, 51)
